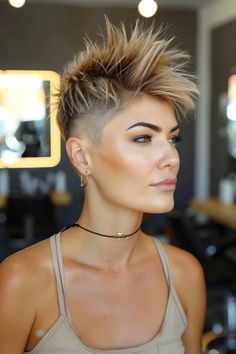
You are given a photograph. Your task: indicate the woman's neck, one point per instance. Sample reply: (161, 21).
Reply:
(109, 252)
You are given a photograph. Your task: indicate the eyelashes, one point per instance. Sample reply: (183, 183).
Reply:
(175, 140)
(144, 139)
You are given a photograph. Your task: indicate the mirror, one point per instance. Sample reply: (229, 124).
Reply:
(29, 135)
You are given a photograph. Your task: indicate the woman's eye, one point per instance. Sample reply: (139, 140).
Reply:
(143, 139)
(174, 140)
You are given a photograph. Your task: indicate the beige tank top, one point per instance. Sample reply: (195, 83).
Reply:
(62, 338)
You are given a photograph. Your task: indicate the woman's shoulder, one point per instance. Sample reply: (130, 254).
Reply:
(187, 274)
(26, 268)
(23, 275)
(184, 266)
(181, 260)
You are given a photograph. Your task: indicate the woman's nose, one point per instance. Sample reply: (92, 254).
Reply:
(169, 158)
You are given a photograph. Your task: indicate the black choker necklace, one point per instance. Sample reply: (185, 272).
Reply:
(118, 236)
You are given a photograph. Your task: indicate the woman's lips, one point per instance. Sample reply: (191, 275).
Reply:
(167, 185)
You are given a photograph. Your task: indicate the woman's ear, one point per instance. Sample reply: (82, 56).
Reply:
(77, 151)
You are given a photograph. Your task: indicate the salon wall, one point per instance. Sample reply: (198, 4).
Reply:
(222, 61)
(46, 36)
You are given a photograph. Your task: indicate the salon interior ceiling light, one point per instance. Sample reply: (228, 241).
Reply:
(17, 3)
(147, 8)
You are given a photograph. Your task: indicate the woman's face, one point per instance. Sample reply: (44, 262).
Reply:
(136, 163)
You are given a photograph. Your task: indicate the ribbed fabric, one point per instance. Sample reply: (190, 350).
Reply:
(61, 338)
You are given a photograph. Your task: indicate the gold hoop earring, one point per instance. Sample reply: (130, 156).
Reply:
(83, 180)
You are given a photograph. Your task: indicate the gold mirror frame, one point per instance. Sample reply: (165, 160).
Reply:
(54, 135)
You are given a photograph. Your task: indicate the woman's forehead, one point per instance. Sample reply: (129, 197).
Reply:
(147, 109)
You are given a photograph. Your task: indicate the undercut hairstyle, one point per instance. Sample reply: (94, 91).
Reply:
(104, 78)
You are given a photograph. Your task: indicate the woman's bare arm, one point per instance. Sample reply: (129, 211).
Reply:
(190, 285)
(16, 305)
(195, 299)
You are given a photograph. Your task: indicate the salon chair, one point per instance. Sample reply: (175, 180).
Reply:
(209, 243)
(206, 241)
(226, 343)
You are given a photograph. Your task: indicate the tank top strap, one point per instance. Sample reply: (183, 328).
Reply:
(164, 261)
(167, 270)
(58, 271)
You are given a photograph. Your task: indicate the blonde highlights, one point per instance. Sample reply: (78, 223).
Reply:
(105, 77)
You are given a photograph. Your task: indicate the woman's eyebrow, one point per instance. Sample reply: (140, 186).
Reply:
(152, 126)
(174, 128)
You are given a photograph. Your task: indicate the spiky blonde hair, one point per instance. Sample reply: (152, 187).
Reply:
(105, 77)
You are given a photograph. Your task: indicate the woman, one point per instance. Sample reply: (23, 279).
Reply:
(102, 285)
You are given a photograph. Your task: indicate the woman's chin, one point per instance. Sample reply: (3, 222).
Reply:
(160, 208)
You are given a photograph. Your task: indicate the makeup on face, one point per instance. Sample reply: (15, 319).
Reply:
(167, 184)
(145, 137)
(152, 126)
(138, 156)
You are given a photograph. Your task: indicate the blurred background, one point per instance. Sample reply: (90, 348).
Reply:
(40, 192)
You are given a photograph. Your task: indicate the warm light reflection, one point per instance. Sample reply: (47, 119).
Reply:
(231, 110)
(231, 115)
(17, 3)
(28, 95)
(147, 8)
(29, 136)
(231, 107)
